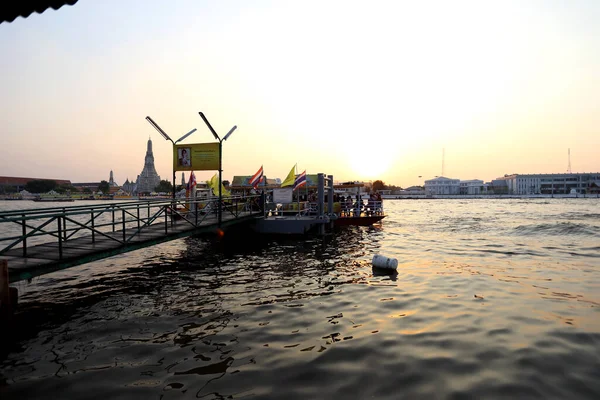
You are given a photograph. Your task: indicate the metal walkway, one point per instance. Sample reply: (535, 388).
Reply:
(39, 241)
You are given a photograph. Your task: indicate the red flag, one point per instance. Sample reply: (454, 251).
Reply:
(256, 178)
(300, 180)
(191, 182)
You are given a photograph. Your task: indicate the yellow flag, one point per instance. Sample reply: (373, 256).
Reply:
(209, 183)
(214, 185)
(289, 181)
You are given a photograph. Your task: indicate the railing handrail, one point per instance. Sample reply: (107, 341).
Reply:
(35, 213)
(86, 206)
(121, 217)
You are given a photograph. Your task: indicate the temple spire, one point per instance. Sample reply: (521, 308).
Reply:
(148, 179)
(111, 179)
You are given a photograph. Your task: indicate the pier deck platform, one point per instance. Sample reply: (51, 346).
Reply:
(98, 235)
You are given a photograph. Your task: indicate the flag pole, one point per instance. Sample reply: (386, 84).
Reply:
(306, 186)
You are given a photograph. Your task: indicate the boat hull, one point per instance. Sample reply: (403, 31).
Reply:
(282, 225)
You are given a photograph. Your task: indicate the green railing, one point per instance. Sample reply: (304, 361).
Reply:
(120, 222)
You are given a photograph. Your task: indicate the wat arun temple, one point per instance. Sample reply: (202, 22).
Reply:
(148, 179)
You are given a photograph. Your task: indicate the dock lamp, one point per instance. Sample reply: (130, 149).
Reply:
(220, 210)
(164, 134)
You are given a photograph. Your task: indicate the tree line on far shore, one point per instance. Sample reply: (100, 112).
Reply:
(380, 185)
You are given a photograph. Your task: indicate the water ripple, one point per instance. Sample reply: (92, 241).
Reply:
(488, 302)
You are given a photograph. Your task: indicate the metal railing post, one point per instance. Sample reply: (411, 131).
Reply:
(64, 224)
(58, 220)
(173, 208)
(123, 214)
(113, 218)
(138, 216)
(166, 220)
(93, 227)
(24, 230)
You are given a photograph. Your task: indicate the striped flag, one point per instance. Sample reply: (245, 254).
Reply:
(191, 182)
(300, 180)
(256, 178)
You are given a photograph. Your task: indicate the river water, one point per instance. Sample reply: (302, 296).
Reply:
(492, 299)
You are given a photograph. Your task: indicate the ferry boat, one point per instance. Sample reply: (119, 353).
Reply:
(282, 214)
(364, 219)
(301, 217)
(361, 210)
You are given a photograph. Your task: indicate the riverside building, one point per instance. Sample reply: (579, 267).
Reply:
(580, 183)
(442, 185)
(473, 186)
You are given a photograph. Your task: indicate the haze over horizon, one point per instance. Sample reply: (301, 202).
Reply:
(359, 91)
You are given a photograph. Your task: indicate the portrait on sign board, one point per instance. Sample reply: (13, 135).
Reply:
(184, 157)
(197, 157)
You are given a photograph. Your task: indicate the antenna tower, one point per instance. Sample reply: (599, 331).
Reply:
(569, 169)
(443, 160)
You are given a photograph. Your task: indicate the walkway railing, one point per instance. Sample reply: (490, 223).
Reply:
(120, 222)
(367, 208)
(304, 208)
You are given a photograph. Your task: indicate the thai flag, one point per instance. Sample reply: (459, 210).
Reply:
(191, 182)
(256, 178)
(300, 180)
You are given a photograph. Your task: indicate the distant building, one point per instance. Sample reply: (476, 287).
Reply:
(524, 184)
(148, 179)
(498, 186)
(413, 190)
(92, 186)
(183, 179)
(243, 183)
(128, 187)
(442, 185)
(472, 186)
(17, 184)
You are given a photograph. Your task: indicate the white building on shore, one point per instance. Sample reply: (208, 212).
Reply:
(473, 186)
(524, 184)
(442, 185)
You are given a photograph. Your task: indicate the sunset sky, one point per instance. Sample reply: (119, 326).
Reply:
(360, 90)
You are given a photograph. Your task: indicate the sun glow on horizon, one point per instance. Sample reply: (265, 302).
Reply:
(367, 168)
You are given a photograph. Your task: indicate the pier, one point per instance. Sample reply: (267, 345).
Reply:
(39, 241)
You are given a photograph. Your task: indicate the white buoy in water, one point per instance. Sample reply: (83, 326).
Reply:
(384, 262)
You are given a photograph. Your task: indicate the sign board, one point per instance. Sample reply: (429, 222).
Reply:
(283, 195)
(196, 157)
